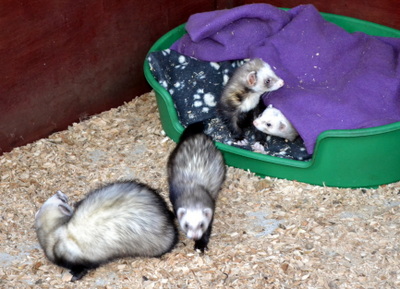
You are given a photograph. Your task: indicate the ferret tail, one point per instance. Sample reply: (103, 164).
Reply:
(192, 129)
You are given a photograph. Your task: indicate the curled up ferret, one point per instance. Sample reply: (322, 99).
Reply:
(196, 172)
(122, 219)
(240, 100)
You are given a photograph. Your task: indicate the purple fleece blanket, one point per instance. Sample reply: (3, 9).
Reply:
(333, 79)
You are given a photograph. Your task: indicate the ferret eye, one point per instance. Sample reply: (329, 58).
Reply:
(269, 124)
(268, 81)
(201, 225)
(186, 226)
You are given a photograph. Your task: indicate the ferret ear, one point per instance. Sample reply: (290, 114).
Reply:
(282, 126)
(180, 213)
(270, 106)
(207, 213)
(252, 78)
(65, 209)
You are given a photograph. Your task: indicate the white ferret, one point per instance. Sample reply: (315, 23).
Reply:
(122, 219)
(240, 100)
(196, 172)
(273, 122)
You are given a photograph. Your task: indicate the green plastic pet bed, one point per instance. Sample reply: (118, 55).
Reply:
(366, 157)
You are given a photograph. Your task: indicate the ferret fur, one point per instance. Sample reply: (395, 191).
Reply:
(240, 100)
(123, 219)
(273, 122)
(196, 172)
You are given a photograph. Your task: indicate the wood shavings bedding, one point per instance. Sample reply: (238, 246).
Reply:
(320, 237)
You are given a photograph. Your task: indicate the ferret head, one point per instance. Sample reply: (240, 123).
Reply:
(262, 78)
(194, 221)
(52, 212)
(273, 122)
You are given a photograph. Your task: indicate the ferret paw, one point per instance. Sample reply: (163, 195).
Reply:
(258, 148)
(243, 142)
(78, 274)
(200, 246)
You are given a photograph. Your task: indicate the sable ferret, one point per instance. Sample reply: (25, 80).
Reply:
(240, 100)
(273, 122)
(122, 219)
(196, 172)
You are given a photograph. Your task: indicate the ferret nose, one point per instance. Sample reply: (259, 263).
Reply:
(282, 83)
(194, 236)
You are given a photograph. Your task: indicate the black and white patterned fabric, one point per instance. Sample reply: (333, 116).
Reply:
(196, 86)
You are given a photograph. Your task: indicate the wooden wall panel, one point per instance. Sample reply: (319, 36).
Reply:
(65, 60)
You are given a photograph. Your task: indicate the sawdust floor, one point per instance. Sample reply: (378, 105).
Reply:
(268, 233)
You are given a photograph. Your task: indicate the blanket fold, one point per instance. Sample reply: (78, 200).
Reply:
(333, 79)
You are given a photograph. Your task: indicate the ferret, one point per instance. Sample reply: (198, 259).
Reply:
(122, 219)
(240, 100)
(196, 172)
(273, 122)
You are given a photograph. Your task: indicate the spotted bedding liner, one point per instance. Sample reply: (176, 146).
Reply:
(195, 87)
